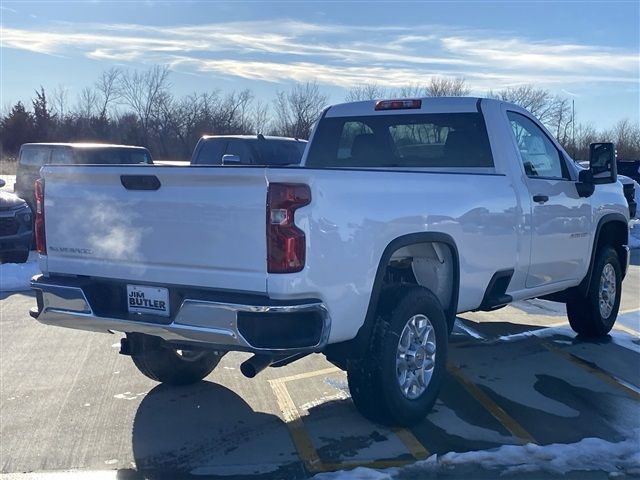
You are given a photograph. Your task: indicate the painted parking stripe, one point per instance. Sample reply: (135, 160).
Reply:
(302, 440)
(629, 321)
(299, 435)
(596, 371)
(492, 407)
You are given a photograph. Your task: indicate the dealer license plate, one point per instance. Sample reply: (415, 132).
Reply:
(152, 300)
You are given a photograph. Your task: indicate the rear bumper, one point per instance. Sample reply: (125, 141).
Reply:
(298, 327)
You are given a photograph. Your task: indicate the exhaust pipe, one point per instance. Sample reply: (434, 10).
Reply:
(253, 366)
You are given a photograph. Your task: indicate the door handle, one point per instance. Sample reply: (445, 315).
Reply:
(540, 198)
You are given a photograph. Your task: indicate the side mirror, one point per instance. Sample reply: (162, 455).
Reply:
(230, 159)
(602, 163)
(2, 183)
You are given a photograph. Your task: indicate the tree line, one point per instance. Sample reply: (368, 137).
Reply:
(138, 108)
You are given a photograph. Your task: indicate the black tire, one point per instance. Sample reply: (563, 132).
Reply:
(15, 257)
(585, 315)
(373, 379)
(163, 363)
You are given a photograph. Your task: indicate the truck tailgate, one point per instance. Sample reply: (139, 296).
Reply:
(203, 226)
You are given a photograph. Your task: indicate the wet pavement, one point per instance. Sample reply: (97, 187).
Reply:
(71, 404)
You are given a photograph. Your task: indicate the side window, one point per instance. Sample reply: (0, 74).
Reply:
(34, 156)
(61, 156)
(539, 155)
(242, 150)
(350, 132)
(211, 152)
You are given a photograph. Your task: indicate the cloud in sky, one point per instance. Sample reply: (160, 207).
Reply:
(337, 55)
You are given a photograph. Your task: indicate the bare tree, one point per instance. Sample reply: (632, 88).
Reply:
(260, 118)
(296, 111)
(143, 91)
(366, 91)
(626, 135)
(87, 101)
(411, 91)
(554, 111)
(540, 102)
(59, 101)
(108, 86)
(447, 87)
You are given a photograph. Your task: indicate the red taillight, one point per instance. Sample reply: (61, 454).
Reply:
(41, 243)
(398, 104)
(285, 242)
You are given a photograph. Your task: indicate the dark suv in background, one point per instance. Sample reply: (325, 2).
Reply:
(15, 228)
(34, 155)
(247, 150)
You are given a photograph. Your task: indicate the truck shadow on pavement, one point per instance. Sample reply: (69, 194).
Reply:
(528, 385)
(208, 431)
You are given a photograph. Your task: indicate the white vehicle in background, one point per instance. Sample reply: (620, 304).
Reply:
(403, 214)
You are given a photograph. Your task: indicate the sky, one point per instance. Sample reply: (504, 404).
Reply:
(586, 51)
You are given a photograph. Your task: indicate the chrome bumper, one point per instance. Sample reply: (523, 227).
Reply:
(209, 324)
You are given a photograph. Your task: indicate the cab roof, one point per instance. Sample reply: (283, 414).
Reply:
(81, 145)
(428, 105)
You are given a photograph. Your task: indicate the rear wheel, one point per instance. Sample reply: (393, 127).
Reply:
(161, 362)
(594, 314)
(399, 378)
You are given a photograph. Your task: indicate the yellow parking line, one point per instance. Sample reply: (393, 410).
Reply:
(304, 445)
(299, 435)
(317, 373)
(412, 443)
(492, 407)
(629, 310)
(594, 370)
(626, 329)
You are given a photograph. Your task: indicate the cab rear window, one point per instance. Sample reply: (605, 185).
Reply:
(112, 156)
(421, 140)
(34, 156)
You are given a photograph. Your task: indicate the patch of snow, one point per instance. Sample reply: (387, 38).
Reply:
(360, 473)
(589, 454)
(459, 328)
(15, 277)
(449, 421)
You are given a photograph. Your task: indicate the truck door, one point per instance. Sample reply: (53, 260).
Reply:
(560, 220)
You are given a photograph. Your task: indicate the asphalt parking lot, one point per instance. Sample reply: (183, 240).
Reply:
(71, 404)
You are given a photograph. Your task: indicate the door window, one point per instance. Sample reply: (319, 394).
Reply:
(540, 157)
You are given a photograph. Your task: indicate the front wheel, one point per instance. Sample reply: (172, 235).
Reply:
(161, 362)
(398, 380)
(594, 314)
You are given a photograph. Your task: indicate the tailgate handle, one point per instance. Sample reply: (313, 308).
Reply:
(140, 182)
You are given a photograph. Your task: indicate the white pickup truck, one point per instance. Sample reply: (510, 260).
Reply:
(402, 214)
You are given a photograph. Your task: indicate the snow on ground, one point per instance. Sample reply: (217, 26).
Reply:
(15, 277)
(589, 454)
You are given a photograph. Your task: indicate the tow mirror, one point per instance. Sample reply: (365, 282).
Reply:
(602, 163)
(230, 159)
(602, 168)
